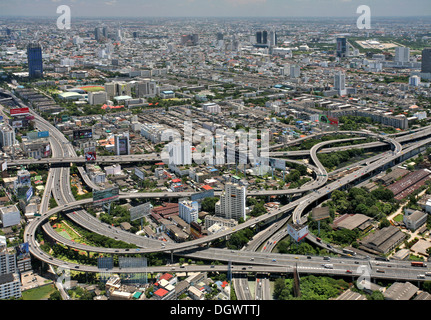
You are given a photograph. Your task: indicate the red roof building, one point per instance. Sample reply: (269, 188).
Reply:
(160, 293)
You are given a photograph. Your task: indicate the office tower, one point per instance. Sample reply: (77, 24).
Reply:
(426, 60)
(7, 136)
(97, 34)
(220, 36)
(105, 32)
(342, 48)
(232, 202)
(340, 83)
(402, 54)
(119, 35)
(259, 37)
(188, 211)
(273, 38)
(195, 39)
(295, 71)
(35, 63)
(96, 98)
(146, 88)
(264, 37)
(122, 144)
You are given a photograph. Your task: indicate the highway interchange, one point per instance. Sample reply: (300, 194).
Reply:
(263, 262)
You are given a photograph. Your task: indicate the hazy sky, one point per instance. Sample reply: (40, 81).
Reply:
(215, 8)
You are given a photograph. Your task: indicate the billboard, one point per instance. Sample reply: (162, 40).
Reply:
(47, 151)
(19, 111)
(297, 233)
(105, 196)
(22, 252)
(34, 135)
(82, 134)
(29, 194)
(90, 156)
(105, 263)
(123, 146)
(140, 211)
(4, 166)
(320, 213)
(43, 134)
(277, 164)
(140, 173)
(17, 124)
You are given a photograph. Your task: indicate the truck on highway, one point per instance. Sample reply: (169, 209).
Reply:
(418, 264)
(329, 266)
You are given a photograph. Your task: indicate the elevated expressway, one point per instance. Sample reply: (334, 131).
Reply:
(34, 247)
(29, 234)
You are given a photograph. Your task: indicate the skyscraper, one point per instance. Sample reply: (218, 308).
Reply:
(35, 63)
(340, 83)
(220, 36)
(265, 37)
(259, 37)
(188, 211)
(426, 60)
(97, 34)
(272, 38)
(342, 48)
(122, 144)
(232, 202)
(402, 54)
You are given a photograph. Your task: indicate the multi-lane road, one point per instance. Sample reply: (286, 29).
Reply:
(59, 185)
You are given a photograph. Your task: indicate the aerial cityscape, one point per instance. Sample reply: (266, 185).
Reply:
(223, 151)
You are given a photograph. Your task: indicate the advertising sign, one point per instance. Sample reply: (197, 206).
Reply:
(105, 196)
(277, 164)
(105, 263)
(19, 111)
(82, 134)
(22, 252)
(17, 124)
(29, 194)
(139, 173)
(4, 166)
(140, 211)
(123, 147)
(297, 233)
(43, 134)
(90, 156)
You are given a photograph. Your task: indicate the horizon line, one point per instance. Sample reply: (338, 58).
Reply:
(158, 17)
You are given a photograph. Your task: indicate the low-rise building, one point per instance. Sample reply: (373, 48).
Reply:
(414, 220)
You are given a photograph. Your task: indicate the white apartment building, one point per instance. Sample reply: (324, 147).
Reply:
(10, 216)
(232, 203)
(7, 136)
(211, 107)
(10, 286)
(7, 262)
(188, 211)
(153, 131)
